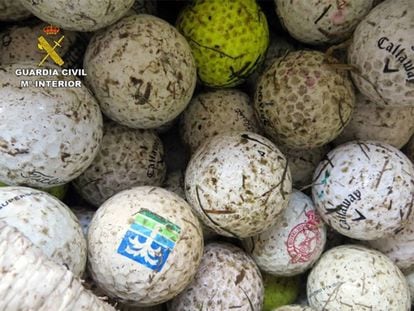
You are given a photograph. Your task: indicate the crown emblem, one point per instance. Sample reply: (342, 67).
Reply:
(51, 30)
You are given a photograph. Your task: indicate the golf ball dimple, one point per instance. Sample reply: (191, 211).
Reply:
(382, 52)
(352, 277)
(228, 39)
(154, 243)
(293, 243)
(226, 279)
(146, 91)
(321, 22)
(364, 189)
(302, 101)
(79, 15)
(56, 145)
(47, 223)
(214, 113)
(238, 183)
(127, 158)
(391, 125)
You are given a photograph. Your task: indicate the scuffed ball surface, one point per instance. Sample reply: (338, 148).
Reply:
(145, 245)
(322, 22)
(302, 101)
(146, 91)
(357, 278)
(364, 189)
(48, 136)
(238, 183)
(228, 39)
(79, 15)
(294, 243)
(391, 125)
(217, 112)
(382, 52)
(47, 223)
(227, 279)
(127, 158)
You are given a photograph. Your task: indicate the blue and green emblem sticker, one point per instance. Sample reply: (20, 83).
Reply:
(149, 240)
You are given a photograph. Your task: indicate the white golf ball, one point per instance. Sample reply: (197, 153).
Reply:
(145, 245)
(364, 189)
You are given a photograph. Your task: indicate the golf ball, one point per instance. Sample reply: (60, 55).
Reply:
(11, 10)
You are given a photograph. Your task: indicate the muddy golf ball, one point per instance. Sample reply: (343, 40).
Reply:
(226, 279)
(145, 245)
(391, 125)
(238, 184)
(214, 113)
(302, 101)
(356, 278)
(48, 136)
(228, 39)
(293, 243)
(303, 162)
(364, 189)
(127, 158)
(399, 247)
(48, 223)
(79, 15)
(11, 10)
(382, 53)
(322, 22)
(146, 91)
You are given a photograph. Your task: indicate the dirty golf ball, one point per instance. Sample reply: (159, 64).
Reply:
(364, 189)
(153, 241)
(383, 53)
(302, 101)
(127, 158)
(321, 22)
(227, 279)
(391, 125)
(228, 38)
(293, 243)
(146, 91)
(48, 223)
(215, 113)
(238, 184)
(11, 10)
(356, 278)
(79, 15)
(56, 145)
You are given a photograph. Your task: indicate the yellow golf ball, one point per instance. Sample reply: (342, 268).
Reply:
(229, 38)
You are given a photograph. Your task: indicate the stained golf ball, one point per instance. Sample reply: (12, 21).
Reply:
(383, 55)
(356, 278)
(228, 39)
(48, 223)
(127, 158)
(293, 243)
(364, 189)
(153, 241)
(214, 113)
(238, 184)
(302, 101)
(227, 278)
(391, 125)
(146, 91)
(48, 136)
(322, 22)
(79, 15)
(11, 10)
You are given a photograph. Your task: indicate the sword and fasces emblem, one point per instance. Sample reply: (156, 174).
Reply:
(149, 240)
(50, 50)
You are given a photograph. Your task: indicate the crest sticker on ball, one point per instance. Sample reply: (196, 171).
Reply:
(149, 240)
(304, 238)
